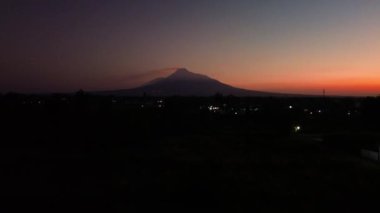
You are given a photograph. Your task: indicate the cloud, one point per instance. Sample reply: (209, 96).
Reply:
(141, 78)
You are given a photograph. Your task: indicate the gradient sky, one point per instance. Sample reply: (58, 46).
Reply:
(299, 46)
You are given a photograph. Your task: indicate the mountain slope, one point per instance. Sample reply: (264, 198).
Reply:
(185, 83)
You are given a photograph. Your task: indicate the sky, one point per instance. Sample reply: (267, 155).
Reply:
(294, 46)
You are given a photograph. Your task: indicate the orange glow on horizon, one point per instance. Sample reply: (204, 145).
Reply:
(344, 86)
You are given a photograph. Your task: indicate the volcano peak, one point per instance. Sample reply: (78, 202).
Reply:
(184, 74)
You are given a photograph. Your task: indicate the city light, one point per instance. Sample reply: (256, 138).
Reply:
(213, 108)
(297, 128)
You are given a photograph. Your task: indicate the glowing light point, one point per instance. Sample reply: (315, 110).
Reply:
(213, 108)
(297, 128)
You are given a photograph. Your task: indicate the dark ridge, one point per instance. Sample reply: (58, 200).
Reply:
(185, 83)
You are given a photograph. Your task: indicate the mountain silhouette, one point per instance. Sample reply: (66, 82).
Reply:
(185, 83)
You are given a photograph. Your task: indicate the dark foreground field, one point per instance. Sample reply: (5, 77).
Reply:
(90, 153)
